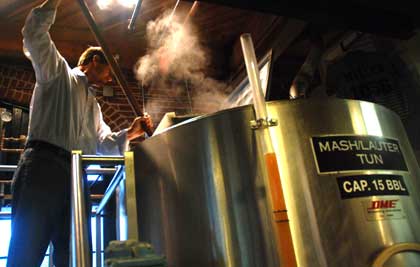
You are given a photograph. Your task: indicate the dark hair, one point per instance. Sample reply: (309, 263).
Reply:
(88, 54)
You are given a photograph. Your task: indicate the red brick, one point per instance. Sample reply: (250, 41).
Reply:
(115, 116)
(118, 100)
(9, 94)
(18, 96)
(20, 84)
(6, 82)
(113, 126)
(104, 106)
(26, 99)
(121, 122)
(126, 113)
(113, 106)
(106, 118)
(13, 84)
(24, 76)
(28, 86)
(124, 107)
(108, 112)
(3, 92)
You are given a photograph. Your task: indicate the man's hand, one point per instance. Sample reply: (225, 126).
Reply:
(138, 126)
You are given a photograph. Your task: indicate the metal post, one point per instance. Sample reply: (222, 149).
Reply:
(98, 239)
(79, 240)
(116, 180)
(121, 220)
(130, 197)
(50, 256)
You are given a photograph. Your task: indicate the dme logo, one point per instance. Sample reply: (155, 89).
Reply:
(383, 204)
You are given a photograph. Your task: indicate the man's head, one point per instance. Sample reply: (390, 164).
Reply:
(94, 64)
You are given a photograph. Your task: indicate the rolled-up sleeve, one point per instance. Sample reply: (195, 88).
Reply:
(38, 46)
(110, 143)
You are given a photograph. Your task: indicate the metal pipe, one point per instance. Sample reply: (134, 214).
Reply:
(302, 81)
(15, 139)
(131, 26)
(108, 160)
(112, 63)
(22, 138)
(7, 196)
(8, 168)
(272, 179)
(96, 196)
(253, 76)
(118, 176)
(100, 170)
(79, 233)
(12, 150)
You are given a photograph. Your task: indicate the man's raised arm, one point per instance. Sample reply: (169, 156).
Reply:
(37, 43)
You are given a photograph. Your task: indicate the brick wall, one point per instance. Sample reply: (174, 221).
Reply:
(17, 82)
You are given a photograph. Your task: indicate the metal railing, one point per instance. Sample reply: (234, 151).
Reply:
(123, 177)
(8, 168)
(116, 180)
(123, 169)
(12, 168)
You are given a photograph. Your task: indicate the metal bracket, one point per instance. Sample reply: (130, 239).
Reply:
(263, 123)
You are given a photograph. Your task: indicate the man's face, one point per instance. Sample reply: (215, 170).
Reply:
(102, 74)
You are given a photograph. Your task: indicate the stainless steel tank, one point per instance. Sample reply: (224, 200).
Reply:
(350, 180)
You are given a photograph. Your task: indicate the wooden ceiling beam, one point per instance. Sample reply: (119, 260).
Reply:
(16, 8)
(71, 42)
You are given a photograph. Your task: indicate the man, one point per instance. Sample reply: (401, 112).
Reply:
(64, 116)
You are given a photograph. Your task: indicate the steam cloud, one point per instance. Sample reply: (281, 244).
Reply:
(176, 62)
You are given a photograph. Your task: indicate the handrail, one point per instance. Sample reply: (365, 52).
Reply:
(123, 167)
(8, 168)
(100, 170)
(111, 160)
(12, 168)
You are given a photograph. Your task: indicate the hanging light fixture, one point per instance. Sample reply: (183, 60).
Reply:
(127, 3)
(104, 4)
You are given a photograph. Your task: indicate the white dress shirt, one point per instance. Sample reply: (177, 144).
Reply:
(63, 111)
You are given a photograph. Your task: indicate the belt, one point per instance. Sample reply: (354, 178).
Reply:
(42, 145)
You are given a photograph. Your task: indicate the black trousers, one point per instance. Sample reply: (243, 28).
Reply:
(41, 207)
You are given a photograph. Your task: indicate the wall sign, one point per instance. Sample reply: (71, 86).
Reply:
(371, 185)
(357, 152)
